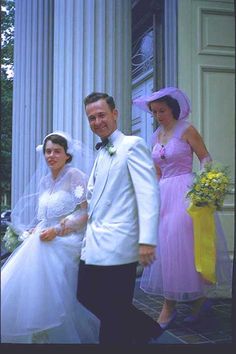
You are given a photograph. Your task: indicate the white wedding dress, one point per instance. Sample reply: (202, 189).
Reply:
(39, 280)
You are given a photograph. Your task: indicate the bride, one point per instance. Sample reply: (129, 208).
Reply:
(39, 279)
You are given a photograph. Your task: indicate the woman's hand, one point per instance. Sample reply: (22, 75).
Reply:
(74, 222)
(48, 234)
(65, 229)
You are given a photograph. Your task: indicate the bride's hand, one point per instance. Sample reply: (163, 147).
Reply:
(65, 226)
(48, 234)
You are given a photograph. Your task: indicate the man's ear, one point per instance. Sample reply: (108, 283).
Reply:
(115, 112)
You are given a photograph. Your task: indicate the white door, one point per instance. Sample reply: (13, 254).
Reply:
(206, 71)
(142, 122)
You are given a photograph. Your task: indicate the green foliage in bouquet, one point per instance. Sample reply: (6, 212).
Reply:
(210, 186)
(11, 239)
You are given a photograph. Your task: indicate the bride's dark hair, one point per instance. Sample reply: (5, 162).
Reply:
(60, 140)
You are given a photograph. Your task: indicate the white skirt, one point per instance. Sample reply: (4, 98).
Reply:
(38, 294)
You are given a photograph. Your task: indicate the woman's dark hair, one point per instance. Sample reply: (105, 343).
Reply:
(60, 140)
(96, 96)
(171, 102)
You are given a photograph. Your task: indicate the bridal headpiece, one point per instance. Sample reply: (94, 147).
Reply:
(73, 145)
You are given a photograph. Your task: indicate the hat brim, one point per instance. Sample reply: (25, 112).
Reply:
(183, 100)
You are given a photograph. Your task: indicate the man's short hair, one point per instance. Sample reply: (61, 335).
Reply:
(96, 96)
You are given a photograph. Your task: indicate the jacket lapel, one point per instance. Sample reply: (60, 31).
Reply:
(98, 179)
(99, 174)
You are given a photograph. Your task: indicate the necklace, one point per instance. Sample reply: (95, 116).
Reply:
(169, 131)
(166, 133)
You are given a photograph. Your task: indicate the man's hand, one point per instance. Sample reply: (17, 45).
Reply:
(146, 254)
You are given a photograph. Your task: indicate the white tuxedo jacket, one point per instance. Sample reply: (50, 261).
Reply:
(123, 203)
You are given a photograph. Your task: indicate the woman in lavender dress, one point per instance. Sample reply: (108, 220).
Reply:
(173, 274)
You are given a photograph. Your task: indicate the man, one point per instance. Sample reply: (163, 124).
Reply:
(123, 212)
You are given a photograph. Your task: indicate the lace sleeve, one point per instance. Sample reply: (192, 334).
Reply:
(76, 221)
(79, 186)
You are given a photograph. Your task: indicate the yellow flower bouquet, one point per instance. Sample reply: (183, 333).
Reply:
(210, 186)
(207, 195)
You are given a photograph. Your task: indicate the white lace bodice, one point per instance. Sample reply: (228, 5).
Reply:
(60, 197)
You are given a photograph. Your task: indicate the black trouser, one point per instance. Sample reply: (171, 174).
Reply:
(107, 291)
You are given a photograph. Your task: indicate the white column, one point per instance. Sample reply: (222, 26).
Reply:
(92, 52)
(32, 93)
(170, 32)
(65, 49)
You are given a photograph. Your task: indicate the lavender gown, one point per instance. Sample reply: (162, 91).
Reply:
(173, 273)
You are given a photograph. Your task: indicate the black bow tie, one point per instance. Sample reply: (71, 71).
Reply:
(101, 144)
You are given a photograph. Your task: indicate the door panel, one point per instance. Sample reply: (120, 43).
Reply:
(206, 47)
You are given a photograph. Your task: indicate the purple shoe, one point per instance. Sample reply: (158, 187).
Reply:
(165, 325)
(204, 308)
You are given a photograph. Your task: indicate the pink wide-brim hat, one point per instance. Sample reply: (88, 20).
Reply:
(183, 100)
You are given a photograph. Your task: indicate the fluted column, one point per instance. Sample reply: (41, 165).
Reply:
(32, 92)
(92, 51)
(170, 32)
(64, 49)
